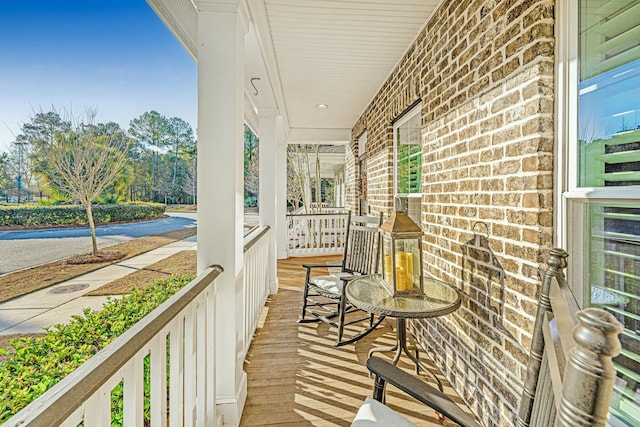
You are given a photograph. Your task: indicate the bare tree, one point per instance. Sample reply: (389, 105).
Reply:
(294, 191)
(84, 161)
(300, 179)
(298, 175)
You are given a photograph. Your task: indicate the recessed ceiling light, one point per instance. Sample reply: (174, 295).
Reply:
(322, 106)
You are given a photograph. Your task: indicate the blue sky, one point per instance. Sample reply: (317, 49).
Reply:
(112, 55)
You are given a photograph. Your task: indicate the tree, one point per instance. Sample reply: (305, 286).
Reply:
(84, 161)
(190, 185)
(151, 132)
(251, 170)
(164, 184)
(301, 183)
(5, 177)
(295, 192)
(40, 131)
(37, 135)
(181, 140)
(17, 169)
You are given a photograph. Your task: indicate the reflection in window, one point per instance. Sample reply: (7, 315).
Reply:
(408, 153)
(614, 281)
(609, 156)
(609, 128)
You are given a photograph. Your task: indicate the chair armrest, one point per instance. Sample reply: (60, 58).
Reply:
(419, 390)
(310, 266)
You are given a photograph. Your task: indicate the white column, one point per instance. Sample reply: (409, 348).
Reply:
(267, 195)
(220, 182)
(281, 191)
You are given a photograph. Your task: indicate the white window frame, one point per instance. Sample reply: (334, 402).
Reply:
(362, 144)
(406, 117)
(570, 199)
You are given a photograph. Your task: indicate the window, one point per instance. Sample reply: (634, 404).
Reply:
(602, 188)
(407, 141)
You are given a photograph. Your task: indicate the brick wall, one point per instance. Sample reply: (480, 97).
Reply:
(484, 73)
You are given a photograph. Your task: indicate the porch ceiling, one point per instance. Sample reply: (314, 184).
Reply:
(333, 52)
(309, 52)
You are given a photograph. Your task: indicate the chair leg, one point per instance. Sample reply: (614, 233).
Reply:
(378, 389)
(341, 310)
(305, 295)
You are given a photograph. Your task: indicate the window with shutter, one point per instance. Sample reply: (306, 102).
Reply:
(607, 163)
(407, 135)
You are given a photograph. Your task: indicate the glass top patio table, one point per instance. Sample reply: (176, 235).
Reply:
(369, 293)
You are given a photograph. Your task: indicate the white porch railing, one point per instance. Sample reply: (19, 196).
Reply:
(179, 339)
(185, 325)
(316, 234)
(256, 281)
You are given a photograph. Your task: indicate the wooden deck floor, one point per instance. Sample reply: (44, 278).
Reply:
(297, 378)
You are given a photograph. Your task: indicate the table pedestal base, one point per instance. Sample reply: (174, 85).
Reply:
(401, 347)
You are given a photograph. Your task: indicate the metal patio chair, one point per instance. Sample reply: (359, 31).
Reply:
(570, 375)
(324, 297)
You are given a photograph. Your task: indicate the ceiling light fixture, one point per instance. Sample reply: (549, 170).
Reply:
(322, 106)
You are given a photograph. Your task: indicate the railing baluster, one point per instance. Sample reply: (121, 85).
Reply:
(190, 373)
(98, 409)
(176, 371)
(201, 365)
(159, 381)
(210, 356)
(74, 419)
(133, 390)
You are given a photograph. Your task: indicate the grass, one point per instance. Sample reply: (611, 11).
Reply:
(22, 282)
(180, 263)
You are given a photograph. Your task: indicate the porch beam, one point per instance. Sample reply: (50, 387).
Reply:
(319, 136)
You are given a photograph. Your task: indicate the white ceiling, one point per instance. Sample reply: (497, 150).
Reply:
(309, 52)
(334, 52)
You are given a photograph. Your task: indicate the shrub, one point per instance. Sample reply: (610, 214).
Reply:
(37, 364)
(110, 199)
(250, 201)
(55, 200)
(31, 215)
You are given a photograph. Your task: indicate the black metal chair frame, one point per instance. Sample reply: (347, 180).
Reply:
(361, 252)
(570, 375)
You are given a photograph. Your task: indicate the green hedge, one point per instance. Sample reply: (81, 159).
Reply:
(36, 364)
(31, 215)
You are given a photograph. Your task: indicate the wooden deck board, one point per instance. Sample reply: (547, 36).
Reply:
(297, 378)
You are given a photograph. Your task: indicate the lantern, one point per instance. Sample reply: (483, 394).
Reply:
(402, 255)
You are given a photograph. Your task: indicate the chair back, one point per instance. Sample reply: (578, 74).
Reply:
(570, 375)
(362, 246)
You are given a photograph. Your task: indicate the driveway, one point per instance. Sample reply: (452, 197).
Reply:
(26, 248)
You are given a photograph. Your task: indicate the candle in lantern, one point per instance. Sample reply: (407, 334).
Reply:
(409, 269)
(387, 267)
(401, 279)
(405, 261)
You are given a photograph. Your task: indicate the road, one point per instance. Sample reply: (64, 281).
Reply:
(26, 248)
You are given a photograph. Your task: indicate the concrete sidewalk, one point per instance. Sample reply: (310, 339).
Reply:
(56, 304)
